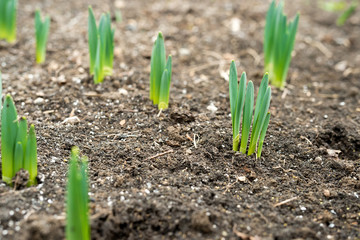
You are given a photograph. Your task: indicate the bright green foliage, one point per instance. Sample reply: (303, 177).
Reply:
(279, 39)
(160, 75)
(77, 211)
(41, 32)
(346, 14)
(342, 7)
(241, 104)
(101, 46)
(18, 145)
(8, 20)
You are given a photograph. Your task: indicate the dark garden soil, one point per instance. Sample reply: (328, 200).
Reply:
(175, 176)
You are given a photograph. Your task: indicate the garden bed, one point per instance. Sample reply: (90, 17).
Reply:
(175, 176)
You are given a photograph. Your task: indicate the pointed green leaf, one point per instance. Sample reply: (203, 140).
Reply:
(247, 116)
(92, 39)
(260, 121)
(262, 135)
(30, 160)
(9, 128)
(18, 157)
(158, 59)
(77, 218)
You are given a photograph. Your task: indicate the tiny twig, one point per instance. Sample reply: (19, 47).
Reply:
(159, 113)
(285, 201)
(159, 154)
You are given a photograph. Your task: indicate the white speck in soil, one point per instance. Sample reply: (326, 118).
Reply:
(356, 195)
(49, 201)
(342, 104)
(11, 223)
(11, 213)
(326, 116)
(41, 198)
(17, 228)
(331, 225)
(302, 208)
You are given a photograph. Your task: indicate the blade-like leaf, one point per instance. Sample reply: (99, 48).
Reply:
(165, 85)
(158, 59)
(260, 121)
(262, 135)
(92, 39)
(22, 133)
(77, 220)
(9, 128)
(247, 116)
(18, 157)
(30, 161)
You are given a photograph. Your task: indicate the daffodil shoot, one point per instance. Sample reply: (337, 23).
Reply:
(279, 39)
(8, 9)
(243, 114)
(101, 46)
(160, 75)
(77, 210)
(18, 144)
(41, 33)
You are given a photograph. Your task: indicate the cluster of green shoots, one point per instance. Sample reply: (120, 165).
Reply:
(160, 75)
(8, 20)
(241, 104)
(279, 39)
(101, 46)
(77, 210)
(41, 33)
(18, 145)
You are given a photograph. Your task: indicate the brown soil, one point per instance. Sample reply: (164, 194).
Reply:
(300, 188)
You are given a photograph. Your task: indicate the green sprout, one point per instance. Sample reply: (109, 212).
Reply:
(8, 20)
(279, 39)
(101, 46)
(77, 210)
(342, 7)
(18, 145)
(41, 33)
(160, 75)
(241, 104)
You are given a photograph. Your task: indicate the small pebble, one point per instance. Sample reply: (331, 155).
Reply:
(39, 100)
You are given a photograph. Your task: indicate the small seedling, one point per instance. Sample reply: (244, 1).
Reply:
(18, 145)
(160, 75)
(77, 211)
(241, 104)
(41, 33)
(101, 46)
(8, 20)
(279, 39)
(342, 7)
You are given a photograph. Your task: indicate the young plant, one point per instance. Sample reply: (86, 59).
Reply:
(8, 20)
(160, 74)
(18, 145)
(101, 46)
(279, 39)
(241, 104)
(41, 32)
(77, 211)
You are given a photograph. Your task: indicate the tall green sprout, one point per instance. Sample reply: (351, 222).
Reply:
(101, 46)
(241, 105)
(18, 145)
(279, 39)
(41, 33)
(77, 210)
(8, 20)
(160, 75)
